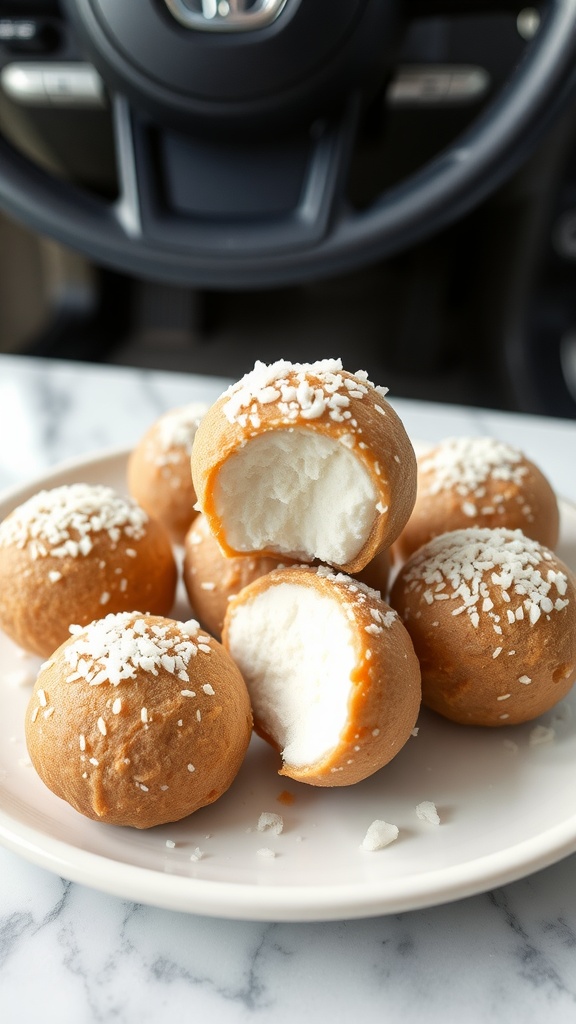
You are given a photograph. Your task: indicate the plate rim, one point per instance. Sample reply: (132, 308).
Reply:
(290, 903)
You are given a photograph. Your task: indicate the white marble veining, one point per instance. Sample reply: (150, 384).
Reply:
(71, 954)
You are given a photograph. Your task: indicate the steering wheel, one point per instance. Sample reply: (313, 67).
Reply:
(234, 125)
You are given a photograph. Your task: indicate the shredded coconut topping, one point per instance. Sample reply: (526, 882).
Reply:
(379, 834)
(354, 586)
(361, 594)
(174, 434)
(269, 821)
(299, 390)
(115, 648)
(63, 521)
(426, 811)
(481, 566)
(465, 464)
(541, 734)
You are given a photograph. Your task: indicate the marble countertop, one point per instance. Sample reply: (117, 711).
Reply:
(70, 953)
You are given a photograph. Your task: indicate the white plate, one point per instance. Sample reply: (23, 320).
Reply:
(507, 808)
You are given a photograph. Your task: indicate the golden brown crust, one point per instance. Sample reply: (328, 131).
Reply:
(514, 494)
(211, 579)
(385, 696)
(482, 664)
(158, 471)
(127, 766)
(377, 573)
(374, 433)
(42, 595)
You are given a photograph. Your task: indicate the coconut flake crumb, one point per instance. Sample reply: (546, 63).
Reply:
(426, 811)
(266, 852)
(511, 746)
(269, 821)
(197, 854)
(541, 734)
(170, 844)
(379, 834)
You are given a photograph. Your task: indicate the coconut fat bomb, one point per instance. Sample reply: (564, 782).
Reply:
(331, 671)
(479, 481)
(211, 579)
(71, 554)
(138, 720)
(304, 461)
(492, 615)
(159, 476)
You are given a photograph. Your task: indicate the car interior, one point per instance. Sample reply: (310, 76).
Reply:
(192, 185)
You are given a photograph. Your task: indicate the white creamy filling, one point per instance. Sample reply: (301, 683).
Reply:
(296, 492)
(294, 648)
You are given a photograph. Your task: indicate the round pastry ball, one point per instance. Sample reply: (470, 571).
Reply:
(138, 720)
(159, 476)
(211, 578)
(304, 462)
(74, 553)
(492, 615)
(479, 481)
(331, 671)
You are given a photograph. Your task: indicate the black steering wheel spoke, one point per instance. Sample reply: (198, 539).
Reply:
(243, 197)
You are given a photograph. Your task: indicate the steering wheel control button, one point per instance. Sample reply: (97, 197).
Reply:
(431, 84)
(24, 83)
(53, 84)
(27, 35)
(225, 15)
(73, 85)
